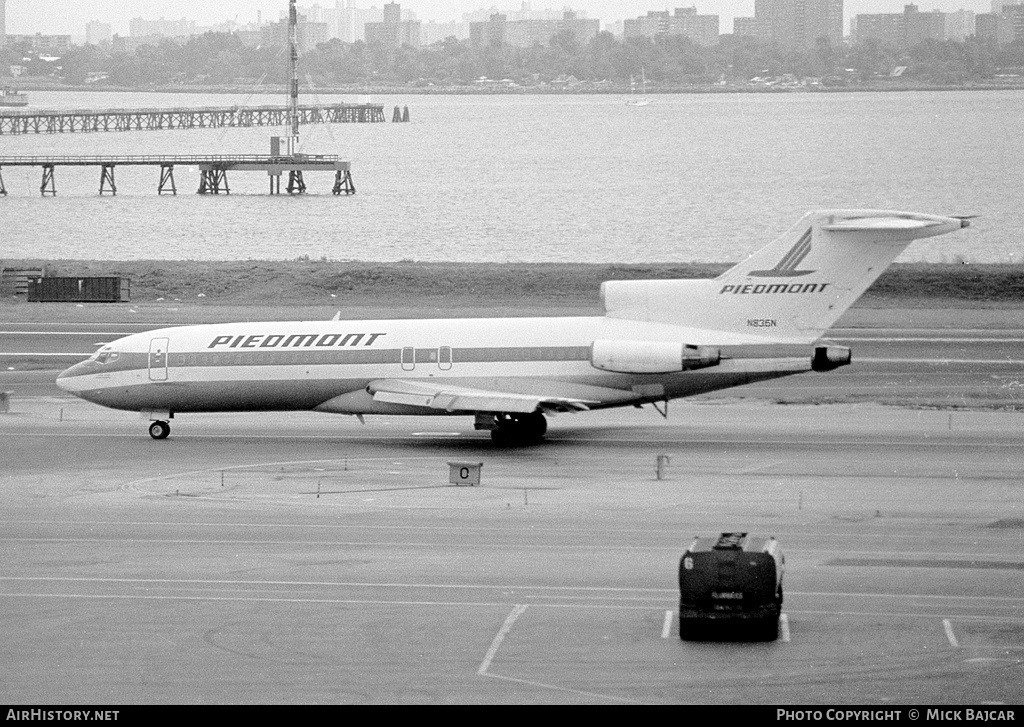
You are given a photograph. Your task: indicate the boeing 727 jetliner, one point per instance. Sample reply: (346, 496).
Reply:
(658, 340)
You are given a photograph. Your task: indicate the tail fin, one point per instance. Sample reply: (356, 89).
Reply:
(793, 289)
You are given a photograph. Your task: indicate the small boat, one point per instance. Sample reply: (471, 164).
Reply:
(10, 97)
(640, 100)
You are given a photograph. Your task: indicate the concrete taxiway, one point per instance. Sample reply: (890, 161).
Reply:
(302, 558)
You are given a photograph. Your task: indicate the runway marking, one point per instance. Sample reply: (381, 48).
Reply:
(653, 592)
(62, 355)
(949, 633)
(784, 627)
(972, 538)
(917, 339)
(472, 604)
(757, 468)
(485, 665)
(938, 361)
(516, 612)
(666, 625)
(563, 689)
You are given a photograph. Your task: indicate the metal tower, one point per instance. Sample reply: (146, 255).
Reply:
(293, 56)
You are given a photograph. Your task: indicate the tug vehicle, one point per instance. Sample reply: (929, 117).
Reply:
(732, 581)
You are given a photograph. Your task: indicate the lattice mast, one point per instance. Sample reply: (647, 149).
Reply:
(293, 60)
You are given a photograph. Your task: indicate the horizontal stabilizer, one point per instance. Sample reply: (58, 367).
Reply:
(878, 224)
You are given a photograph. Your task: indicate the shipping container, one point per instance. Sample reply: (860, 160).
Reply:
(79, 290)
(14, 281)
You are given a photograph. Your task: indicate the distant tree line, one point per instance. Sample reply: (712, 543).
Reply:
(221, 59)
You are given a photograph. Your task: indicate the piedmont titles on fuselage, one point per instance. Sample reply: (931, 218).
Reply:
(295, 340)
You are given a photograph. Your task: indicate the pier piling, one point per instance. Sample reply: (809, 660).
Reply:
(48, 186)
(167, 178)
(107, 177)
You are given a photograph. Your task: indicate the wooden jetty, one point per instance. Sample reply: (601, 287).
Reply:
(70, 121)
(213, 170)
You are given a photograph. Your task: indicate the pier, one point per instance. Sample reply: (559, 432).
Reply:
(213, 170)
(70, 121)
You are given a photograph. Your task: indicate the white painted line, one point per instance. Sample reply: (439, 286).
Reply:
(784, 628)
(517, 611)
(569, 690)
(940, 361)
(63, 355)
(919, 339)
(666, 626)
(949, 633)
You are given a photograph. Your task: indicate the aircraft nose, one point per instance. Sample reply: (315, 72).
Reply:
(70, 379)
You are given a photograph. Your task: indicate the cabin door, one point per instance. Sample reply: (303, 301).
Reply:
(158, 359)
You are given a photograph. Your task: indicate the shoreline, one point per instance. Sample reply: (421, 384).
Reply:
(587, 89)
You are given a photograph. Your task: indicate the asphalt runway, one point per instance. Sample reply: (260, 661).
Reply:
(303, 558)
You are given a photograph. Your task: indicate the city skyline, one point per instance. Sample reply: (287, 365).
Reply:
(69, 17)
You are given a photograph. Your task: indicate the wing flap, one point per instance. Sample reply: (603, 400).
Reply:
(437, 395)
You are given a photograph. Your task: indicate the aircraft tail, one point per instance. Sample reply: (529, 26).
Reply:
(793, 289)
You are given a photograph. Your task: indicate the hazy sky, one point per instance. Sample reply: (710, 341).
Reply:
(69, 17)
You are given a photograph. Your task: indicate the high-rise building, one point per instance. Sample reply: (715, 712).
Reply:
(798, 24)
(907, 29)
(959, 25)
(97, 33)
(701, 29)
(527, 33)
(392, 31)
(3, 23)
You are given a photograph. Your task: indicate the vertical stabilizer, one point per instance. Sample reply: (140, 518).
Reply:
(793, 289)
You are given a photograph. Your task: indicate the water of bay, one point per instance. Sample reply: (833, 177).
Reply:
(707, 178)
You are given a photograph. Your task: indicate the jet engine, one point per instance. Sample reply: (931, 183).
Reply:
(650, 357)
(827, 358)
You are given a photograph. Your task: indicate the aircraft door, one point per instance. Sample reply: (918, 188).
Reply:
(408, 358)
(444, 358)
(158, 359)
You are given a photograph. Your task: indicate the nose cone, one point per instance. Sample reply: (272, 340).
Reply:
(71, 380)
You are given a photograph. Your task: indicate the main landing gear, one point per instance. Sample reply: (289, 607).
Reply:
(159, 430)
(517, 429)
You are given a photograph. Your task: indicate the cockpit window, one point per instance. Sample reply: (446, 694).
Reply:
(105, 355)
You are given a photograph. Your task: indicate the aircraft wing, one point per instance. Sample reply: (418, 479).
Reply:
(439, 395)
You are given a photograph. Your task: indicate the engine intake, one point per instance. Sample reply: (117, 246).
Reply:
(827, 358)
(650, 357)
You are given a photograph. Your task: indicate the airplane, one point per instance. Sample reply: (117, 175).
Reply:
(657, 340)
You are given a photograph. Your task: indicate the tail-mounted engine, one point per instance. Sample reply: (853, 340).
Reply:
(650, 357)
(827, 358)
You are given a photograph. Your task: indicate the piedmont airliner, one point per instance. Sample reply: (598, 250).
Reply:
(657, 340)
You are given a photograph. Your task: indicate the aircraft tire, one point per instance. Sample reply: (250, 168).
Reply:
(519, 429)
(159, 430)
(536, 425)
